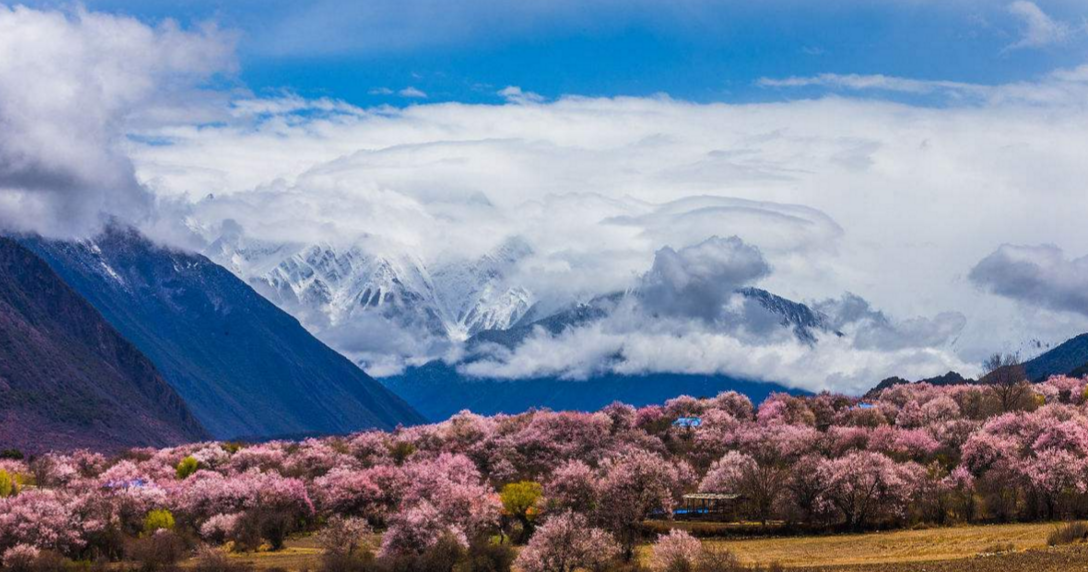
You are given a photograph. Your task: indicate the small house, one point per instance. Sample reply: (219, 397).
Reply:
(687, 422)
(720, 507)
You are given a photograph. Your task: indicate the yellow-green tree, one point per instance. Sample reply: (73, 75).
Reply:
(186, 467)
(520, 501)
(160, 519)
(7, 484)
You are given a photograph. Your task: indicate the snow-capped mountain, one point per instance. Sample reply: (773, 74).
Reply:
(344, 284)
(803, 320)
(338, 292)
(331, 287)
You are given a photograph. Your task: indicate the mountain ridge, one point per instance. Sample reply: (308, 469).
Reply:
(244, 366)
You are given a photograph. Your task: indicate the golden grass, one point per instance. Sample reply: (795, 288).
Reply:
(905, 546)
(299, 553)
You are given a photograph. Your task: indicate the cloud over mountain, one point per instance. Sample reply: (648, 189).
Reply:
(1039, 276)
(698, 280)
(71, 84)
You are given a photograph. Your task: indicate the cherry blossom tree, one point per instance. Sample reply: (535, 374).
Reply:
(676, 551)
(566, 543)
(867, 485)
(635, 486)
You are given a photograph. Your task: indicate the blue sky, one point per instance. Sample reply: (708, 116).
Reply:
(368, 52)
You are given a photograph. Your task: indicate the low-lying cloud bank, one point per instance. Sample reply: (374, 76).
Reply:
(692, 314)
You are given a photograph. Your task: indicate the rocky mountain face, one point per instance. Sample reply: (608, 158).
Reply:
(244, 367)
(68, 379)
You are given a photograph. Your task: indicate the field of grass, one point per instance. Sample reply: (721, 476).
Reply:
(933, 544)
(966, 548)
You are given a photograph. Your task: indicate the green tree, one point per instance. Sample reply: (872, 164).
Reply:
(520, 501)
(160, 519)
(186, 467)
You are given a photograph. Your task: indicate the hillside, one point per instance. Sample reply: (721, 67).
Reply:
(1063, 359)
(438, 391)
(243, 366)
(67, 378)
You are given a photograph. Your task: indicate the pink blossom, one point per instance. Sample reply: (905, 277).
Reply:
(20, 557)
(867, 485)
(676, 550)
(573, 486)
(417, 528)
(220, 528)
(43, 519)
(566, 543)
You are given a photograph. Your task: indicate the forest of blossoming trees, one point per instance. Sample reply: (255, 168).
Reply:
(575, 488)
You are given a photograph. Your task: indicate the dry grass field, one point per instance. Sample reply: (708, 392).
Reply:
(933, 544)
(966, 549)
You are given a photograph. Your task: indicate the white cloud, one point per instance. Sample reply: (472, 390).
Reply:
(70, 86)
(1059, 87)
(514, 94)
(1039, 29)
(412, 93)
(876, 82)
(632, 344)
(698, 280)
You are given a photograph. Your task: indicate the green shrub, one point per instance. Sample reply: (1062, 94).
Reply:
(186, 467)
(1068, 534)
(18, 455)
(7, 484)
(156, 520)
(401, 450)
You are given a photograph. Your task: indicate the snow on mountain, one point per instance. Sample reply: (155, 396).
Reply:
(331, 287)
(337, 291)
(803, 320)
(477, 296)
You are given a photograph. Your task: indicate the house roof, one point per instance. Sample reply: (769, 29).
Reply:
(712, 496)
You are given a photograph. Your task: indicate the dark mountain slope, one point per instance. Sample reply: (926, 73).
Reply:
(1061, 360)
(244, 367)
(950, 378)
(437, 390)
(67, 378)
